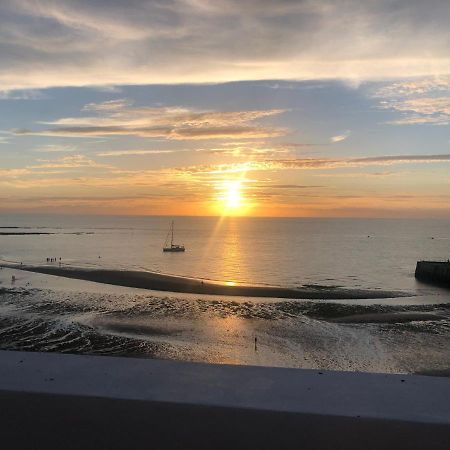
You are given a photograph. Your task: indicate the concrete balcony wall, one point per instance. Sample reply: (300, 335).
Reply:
(56, 401)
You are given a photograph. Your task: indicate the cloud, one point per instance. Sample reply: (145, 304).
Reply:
(13, 173)
(363, 174)
(55, 148)
(412, 87)
(311, 164)
(72, 161)
(416, 119)
(423, 101)
(108, 175)
(119, 118)
(317, 163)
(251, 149)
(138, 152)
(110, 105)
(48, 43)
(432, 110)
(290, 186)
(66, 162)
(30, 94)
(402, 159)
(340, 137)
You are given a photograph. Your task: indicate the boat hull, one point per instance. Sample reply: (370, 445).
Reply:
(174, 249)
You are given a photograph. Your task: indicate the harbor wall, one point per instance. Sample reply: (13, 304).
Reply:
(433, 272)
(56, 401)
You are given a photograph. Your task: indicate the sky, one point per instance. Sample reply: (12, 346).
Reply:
(225, 107)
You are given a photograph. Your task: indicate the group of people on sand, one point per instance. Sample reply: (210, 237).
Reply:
(53, 259)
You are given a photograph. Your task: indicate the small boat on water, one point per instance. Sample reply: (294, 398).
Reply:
(172, 247)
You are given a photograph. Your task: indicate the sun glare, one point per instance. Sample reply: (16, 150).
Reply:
(233, 195)
(230, 198)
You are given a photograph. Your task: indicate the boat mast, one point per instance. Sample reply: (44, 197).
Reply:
(171, 241)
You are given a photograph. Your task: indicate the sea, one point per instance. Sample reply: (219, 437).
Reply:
(407, 334)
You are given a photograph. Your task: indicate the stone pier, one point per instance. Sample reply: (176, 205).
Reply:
(433, 272)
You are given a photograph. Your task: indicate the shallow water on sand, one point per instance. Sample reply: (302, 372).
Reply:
(47, 313)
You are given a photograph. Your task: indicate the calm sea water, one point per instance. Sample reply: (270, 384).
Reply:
(277, 251)
(46, 313)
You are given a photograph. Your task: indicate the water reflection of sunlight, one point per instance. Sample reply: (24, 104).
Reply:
(231, 261)
(230, 257)
(228, 333)
(228, 260)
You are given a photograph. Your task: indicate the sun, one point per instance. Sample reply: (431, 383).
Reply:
(233, 196)
(231, 199)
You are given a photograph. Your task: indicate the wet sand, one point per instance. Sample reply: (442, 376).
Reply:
(160, 282)
(392, 317)
(61, 314)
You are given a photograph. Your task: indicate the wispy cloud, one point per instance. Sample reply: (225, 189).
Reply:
(422, 101)
(252, 149)
(13, 173)
(139, 152)
(136, 177)
(313, 163)
(110, 105)
(423, 110)
(413, 87)
(119, 118)
(24, 94)
(68, 162)
(54, 166)
(55, 148)
(340, 137)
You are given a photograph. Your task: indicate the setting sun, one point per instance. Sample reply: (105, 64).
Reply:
(231, 200)
(233, 196)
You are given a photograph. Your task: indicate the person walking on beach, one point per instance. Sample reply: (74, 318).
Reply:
(256, 344)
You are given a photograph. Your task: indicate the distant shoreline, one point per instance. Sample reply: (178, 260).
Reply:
(23, 233)
(171, 283)
(38, 233)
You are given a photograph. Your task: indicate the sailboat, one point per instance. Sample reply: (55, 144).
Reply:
(172, 247)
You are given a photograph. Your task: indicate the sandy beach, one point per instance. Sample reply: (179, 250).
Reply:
(170, 283)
